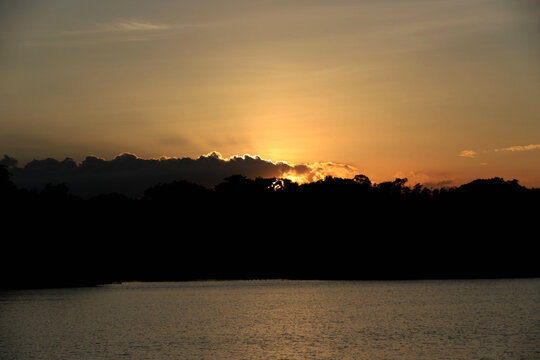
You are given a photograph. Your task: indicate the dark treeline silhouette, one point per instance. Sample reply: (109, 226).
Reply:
(269, 228)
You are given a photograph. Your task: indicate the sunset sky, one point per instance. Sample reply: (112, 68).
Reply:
(436, 91)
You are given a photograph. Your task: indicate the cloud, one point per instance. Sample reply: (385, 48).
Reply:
(467, 153)
(121, 26)
(121, 30)
(130, 175)
(433, 181)
(413, 177)
(439, 184)
(304, 173)
(134, 25)
(520, 148)
(472, 153)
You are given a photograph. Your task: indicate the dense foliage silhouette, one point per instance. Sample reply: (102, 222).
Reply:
(269, 228)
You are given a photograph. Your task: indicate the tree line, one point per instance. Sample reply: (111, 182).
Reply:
(344, 229)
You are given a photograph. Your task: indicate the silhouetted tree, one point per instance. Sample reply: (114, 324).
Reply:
(176, 191)
(266, 228)
(235, 184)
(55, 192)
(7, 187)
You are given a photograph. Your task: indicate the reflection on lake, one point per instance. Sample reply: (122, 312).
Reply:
(275, 319)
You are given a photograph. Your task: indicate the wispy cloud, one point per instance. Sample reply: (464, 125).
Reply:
(121, 30)
(121, 26)
(467, 153)
(516, 148)
(91, 41)
(520, 148)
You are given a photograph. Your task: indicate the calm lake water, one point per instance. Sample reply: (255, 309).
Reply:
(478, 319)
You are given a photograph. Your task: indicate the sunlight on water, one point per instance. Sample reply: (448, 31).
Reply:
(275, 320)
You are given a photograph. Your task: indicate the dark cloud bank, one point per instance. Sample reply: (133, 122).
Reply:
(130, 175)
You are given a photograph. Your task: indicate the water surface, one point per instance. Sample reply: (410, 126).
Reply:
(278, 319)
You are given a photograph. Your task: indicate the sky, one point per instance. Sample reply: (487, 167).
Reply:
(440, 92)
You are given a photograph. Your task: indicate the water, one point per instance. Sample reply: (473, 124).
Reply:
(497, 319)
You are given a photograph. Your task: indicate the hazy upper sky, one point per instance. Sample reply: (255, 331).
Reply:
(430, 90)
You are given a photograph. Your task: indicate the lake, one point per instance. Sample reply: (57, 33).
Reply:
(275, 319)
